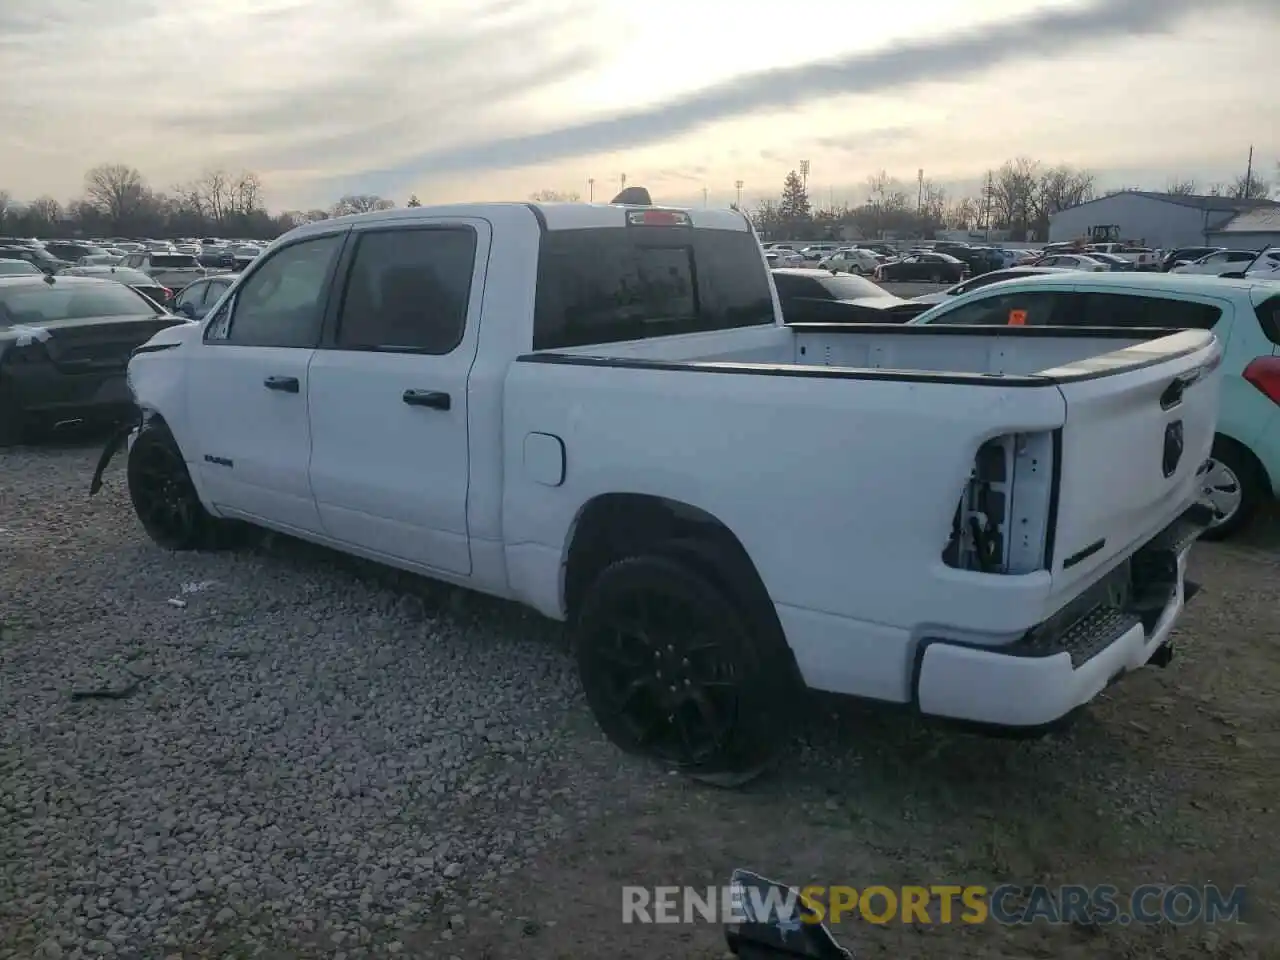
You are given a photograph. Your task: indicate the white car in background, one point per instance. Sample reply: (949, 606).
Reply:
(1266, 265)
(852, 260)
(1216, 264)
(985, 280)
(1074, 261)
(783, 258)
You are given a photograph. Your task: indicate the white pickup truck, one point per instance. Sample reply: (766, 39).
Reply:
(597, 411)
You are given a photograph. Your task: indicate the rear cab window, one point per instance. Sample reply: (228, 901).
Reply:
(1268, 313)
(609, 284)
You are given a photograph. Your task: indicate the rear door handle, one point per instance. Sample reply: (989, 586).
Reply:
(283, 384)
(435, 399)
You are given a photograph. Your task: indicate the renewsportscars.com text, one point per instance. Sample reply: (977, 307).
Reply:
(1008, 904)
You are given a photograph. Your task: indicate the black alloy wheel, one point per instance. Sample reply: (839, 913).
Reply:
(674, 671)
(163, 495)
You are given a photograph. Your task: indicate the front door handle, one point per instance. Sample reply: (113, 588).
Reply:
(435, 399)
(283, 384)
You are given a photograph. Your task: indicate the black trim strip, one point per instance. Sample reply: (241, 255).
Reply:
(152, 348)
(539, 216)
(1055, 489)
(789, 370)
(1084, 554)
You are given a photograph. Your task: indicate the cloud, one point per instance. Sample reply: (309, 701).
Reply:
(1052, 33)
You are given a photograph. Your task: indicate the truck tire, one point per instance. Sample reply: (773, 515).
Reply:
(676, 668)
(163, 496)
(1235, 488)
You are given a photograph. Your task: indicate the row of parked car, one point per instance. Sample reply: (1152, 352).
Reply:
(172, 263)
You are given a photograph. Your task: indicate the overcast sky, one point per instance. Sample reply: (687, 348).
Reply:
(494, 99)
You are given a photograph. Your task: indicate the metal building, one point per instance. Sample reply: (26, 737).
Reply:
(1162, 220)
(1254, 230)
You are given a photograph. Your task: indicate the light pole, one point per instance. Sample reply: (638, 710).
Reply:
(591, 189)
(704, 196)
(804, 175)
(737, 185)
(623, 180)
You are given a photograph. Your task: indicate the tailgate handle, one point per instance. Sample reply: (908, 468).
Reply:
(1172, 395)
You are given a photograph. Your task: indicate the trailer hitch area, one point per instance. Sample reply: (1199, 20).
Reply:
(1162, 656)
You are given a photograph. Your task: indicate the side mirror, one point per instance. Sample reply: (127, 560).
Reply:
(772, 920)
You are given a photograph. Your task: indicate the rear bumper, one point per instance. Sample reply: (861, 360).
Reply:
(1037, 682)
(49, 397)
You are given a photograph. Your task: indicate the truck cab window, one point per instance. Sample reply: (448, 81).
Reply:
(408, 290)
(281, 304)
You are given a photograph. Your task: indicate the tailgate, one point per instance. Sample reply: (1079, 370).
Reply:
(1139, 425)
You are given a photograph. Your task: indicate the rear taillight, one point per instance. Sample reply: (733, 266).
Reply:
(1264, 373)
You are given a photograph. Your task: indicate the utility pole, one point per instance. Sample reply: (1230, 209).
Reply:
(919, 191)
(990, 190)
(623, 180)
(737, 185)
(1248, 175)
(704, 196)
(804, 175)
(591, 189)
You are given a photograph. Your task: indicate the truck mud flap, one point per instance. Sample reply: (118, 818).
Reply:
(109, 451)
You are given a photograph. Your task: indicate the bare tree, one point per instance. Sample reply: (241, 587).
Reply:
(933, 204)
(314, 216)
(554, 196)
(6, 202)
(1181, 188)
(360, 203)
(246, 194)
(45, 210)
(117, 191)
(215, 194)
(1013, 193)
(1249, 187)
(963, 214)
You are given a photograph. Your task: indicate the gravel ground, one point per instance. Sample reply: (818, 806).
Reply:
(264, 747)
(280, 752)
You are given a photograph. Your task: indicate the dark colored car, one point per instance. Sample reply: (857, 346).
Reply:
(71, 252)
(38, 256)
(197, 299)
(979, 260)
(18, 268)
(65, 344)
(817, 296)
(1185, 255)
(933, 267)
(144, 284)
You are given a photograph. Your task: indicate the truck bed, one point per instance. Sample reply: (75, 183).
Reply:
(978, 354)
(852, 445)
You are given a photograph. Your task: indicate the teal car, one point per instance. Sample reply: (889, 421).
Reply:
(1244, 472)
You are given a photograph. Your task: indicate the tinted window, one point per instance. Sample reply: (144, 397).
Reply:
(39, 303)
(1240, 257)
(790, 286)
(1034, 309)
(611, 284)
(193, 295)
(11, 267)
(1127, 310)
(173, 260)
(987, 278)
(282, 303)
(408, 290)
(850, 288)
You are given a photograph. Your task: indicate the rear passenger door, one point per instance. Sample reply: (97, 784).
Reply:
(388, 392)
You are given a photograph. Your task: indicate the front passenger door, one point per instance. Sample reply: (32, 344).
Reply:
(247, 387)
